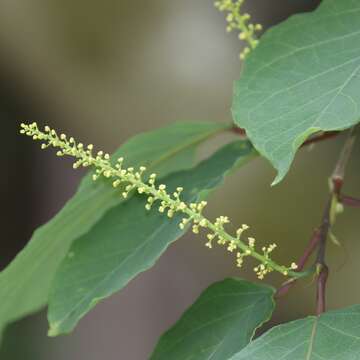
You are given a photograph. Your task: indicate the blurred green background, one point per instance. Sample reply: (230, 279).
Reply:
(105, 71)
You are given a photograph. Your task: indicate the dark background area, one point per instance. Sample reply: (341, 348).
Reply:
(105, 71)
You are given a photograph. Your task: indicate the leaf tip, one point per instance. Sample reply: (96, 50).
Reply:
(279, 177)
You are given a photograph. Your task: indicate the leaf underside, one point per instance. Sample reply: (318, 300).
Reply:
(128, 240)
(220, 323)
(334, 335)
(304, 77)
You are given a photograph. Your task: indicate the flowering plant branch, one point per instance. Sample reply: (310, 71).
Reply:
(132, 179)
(286, 99)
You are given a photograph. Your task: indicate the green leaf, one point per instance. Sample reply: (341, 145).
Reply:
(304, 77)
(332, 336)
(220, 323)
(25, 283)
(128, 240)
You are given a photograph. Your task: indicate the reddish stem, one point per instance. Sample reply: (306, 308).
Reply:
(321, 290)
(312, 140)
(337, 179)
(238, 130)
(350, 201)
(309, 250)
(319, 238)
(320, 137)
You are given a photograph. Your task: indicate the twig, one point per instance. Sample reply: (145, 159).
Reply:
(350, 201)
(337, 182)
(338, 175)
(321, 290)
(312, 140)
(321, 267)
(320, 235)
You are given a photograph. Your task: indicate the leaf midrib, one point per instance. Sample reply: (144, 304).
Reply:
(312, 338)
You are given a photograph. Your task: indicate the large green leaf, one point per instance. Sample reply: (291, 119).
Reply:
(219, 324)
(25, 283)
(332, 336)
(128, 240)
(302, 78)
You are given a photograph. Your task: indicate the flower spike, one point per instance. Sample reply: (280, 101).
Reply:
(240, 22)
(157, 195)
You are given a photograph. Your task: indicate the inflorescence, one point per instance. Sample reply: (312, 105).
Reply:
(240, 22)
(129, 179)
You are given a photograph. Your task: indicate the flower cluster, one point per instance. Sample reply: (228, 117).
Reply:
(240, 22)
(129, 179)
